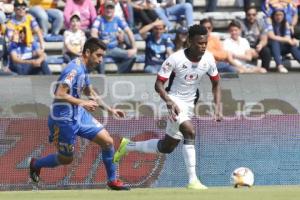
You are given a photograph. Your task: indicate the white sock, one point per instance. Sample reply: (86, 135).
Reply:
(148, 146)
(189, 155)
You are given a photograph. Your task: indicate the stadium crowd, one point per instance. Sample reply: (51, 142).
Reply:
(26, 26)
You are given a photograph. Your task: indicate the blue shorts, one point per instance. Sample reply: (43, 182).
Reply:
(63, 133)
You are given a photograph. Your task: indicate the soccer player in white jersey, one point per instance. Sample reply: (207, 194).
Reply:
(184, 69)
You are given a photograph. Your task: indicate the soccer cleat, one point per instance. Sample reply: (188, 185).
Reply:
(33, 172)
(121, 150)
(196, 185)
(117, 185)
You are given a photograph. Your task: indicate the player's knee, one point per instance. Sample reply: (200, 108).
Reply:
(189, 134)
(108, 143)
(65, 160)
(168, 150)
(65, 153)
(165, 148)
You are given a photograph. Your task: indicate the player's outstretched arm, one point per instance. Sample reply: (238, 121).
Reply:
(216, 90)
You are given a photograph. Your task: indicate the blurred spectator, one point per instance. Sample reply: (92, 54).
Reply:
(254, 3)
(144, 11)
(74, 39)
(4, 70)
(107, 29)
(6, 6)
(158, 46)
(288, 7)
(123, 10)
(46, 11)
(240, 49)
(169, 7)
(181, 38)
(224, 59)
(87, 12)
(185, 1)
(280, 39)
(2, 15)
(19, 20)
(26, 59)
(253, 29)
(127, 9)
(211, 5)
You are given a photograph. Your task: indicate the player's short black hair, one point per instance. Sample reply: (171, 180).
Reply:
(197, 29)
(93, 44)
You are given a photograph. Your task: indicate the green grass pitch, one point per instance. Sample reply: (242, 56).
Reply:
(215, 193)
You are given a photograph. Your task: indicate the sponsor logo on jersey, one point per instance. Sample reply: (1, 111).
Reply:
(191, 77)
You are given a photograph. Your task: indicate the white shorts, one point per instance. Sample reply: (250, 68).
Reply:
(185, 114)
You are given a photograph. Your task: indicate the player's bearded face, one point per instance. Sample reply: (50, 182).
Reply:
(199, 44)
(96, 58)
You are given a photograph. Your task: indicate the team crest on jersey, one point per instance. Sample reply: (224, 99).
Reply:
(71, 76)
(191, 77)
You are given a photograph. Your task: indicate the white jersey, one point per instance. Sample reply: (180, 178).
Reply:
(187, 74)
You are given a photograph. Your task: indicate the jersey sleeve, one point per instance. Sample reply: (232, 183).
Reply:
(35, 46)
(33, 23)
(213, 71)
(166, 69)
(69, 77)
(96, 24)
(122, 23)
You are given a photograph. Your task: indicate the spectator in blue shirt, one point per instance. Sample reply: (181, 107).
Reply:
(158, 46)
(107, 29)
(288, 7)
(281, 41)
(26, 59)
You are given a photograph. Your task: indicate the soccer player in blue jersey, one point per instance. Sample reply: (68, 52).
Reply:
(70, 117)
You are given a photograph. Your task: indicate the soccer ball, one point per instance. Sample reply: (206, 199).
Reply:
(242, 176)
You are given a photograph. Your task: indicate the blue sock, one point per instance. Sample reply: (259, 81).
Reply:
(48, 161)
(107, 156)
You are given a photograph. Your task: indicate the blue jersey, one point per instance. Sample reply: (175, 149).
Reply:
(156, 50)
(67, 121)
(108, 30)
(75, 75)
(23, 51)
(290, 11)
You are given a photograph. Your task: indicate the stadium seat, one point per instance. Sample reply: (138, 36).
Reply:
(54, 38)
(139, 59)
(55, 59)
